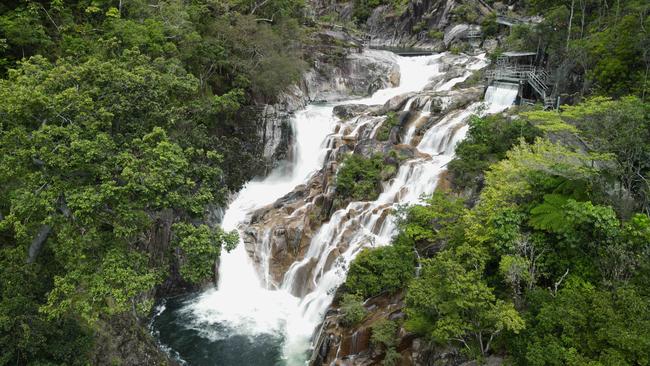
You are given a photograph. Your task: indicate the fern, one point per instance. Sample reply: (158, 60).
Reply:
(549, 215)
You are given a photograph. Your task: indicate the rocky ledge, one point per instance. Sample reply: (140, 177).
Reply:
(353, 74)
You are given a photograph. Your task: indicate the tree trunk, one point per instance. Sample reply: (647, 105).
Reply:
(37, 243)
(568, 34)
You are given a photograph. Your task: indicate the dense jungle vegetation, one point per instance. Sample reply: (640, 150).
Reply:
(121, 123)
(540, 251)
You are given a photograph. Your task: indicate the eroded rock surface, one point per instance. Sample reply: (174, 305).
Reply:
(355, 74)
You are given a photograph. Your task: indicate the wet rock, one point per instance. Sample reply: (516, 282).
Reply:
(355, 74)
(347, 111)
(369, 147)
(358, 74)
(275, 132)
(396, 103)
(121, 338)
(490, 45)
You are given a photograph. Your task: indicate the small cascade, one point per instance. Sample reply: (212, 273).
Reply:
(262, 322)
(421, 118)
(499, 96)
(354, 343)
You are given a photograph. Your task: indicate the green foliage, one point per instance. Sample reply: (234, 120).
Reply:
(25, 334)
(585, 325)
(489, 26)
(359, 178)
(549, 215)
(451, 302)
(591, 47)
(619, 127)
(546, 266)
(201, 247)
(391, 357)
(363, 8)
(435, 223)
(488, 140)
(384, 333)
(466, 13)
(386, 127)
(377, 270)
(111, 289)
(23, 32)
(118, 121)
(352, 310)
(436, 34)
(419, 26)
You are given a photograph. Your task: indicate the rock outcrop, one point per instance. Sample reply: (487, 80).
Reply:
(354, 74)
(359, 74)
(432, 25)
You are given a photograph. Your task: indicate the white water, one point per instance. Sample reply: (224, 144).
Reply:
(243, 303)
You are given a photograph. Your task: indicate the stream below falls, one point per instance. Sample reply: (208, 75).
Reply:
(250, 320)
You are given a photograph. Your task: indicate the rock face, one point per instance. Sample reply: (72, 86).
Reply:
(422, 24)
(121, 338)
(359, 74)
(354, 74)
(409, 30)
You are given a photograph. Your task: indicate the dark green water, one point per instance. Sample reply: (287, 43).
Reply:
(201, 343)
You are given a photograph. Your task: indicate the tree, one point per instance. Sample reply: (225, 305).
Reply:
(87, 168)
(359, 178)
(451, 302)
(585, 325)
(488, 140)
(381, 269)
(201, 247)
(431, 226)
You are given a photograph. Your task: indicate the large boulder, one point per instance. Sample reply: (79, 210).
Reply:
(358, 74)
(347, 111)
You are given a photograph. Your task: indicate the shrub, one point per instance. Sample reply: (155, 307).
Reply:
(384, 131)
(489, 26)
(456, 50)
(383, 333)
(352, 310)
(359, 178)
(391, 358)
(436, 34)
(201, 246)
(419, 26)
(488, 140)
(465, 13)
(382, 269)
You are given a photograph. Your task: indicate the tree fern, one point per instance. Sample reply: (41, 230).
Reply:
(549, 215)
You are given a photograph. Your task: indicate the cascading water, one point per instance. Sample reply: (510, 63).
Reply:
(253, 321)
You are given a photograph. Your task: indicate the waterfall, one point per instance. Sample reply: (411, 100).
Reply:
(499, 96)
(245, 306)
